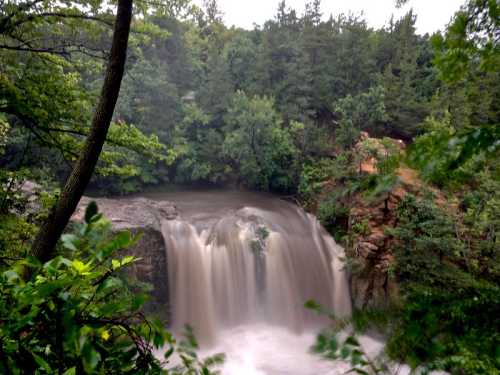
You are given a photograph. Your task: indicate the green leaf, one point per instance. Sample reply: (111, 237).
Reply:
(115, 264)
(90, 357)
(138, 301)
(120, 241)
(42, 363)
(345, 352)
(128, 259)
(70, 371)
(351, 340)
(69, 241)
(109, 283)
(169, 353)
(80, 267)
(11, 275)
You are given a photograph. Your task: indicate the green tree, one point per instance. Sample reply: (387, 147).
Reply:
(471, 39)
(256, 145)
(467, 58)
(200, 148)
(406, 107)
(361, 112)
(50, 53)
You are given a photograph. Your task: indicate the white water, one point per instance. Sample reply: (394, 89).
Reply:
(241, 267)
(261, 349)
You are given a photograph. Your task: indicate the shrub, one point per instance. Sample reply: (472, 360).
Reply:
(450, 315)
(78, 314)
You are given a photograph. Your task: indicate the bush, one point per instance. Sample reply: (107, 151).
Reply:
(78, 314)
(450, 315)
(334, 216)
(452, 330)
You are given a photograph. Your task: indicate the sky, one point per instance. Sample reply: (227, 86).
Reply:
(432, 15)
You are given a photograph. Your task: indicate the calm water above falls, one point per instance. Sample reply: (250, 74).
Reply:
(241, 266)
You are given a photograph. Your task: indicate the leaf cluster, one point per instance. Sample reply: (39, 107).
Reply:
(78, 313)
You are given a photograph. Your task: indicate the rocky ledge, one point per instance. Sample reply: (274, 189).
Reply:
(141, 215)
(372, 249)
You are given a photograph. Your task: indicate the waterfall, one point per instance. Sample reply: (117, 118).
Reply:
(251, 263)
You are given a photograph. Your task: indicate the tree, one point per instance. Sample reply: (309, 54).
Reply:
(51, 64)
(354, 66)
(468, 61)
(199, 143)
(52, 228)
(256, 146)
(241, 55)
(471, 40)
(360, 112)
(283, 66)
(406, 109)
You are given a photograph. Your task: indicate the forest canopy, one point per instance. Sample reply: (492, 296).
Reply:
(184, 75)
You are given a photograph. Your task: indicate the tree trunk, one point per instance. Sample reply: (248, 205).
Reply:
(49, 233)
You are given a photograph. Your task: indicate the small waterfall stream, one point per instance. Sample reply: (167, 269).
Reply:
(241, 265)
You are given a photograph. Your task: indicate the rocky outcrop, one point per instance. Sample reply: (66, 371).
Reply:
(370, 246)
(371, 285)
(140, 215)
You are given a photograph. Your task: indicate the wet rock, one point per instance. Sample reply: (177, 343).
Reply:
(141, 215)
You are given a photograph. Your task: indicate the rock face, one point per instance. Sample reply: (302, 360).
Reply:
(371, 284)
(140, 215)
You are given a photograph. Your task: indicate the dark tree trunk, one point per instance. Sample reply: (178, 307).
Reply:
(52, 228)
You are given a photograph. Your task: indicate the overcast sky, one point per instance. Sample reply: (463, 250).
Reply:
(432, 15)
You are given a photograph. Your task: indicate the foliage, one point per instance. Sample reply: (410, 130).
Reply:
(313, 177)
(361, 112)
(79, 314)
(427, 239)
(4, 129)
(468, 60)
(451, 307)
(334, 214)
(471, 38)
(15, 234)
(200, 148)
(51, 54)
(339, 343)
(256, 146)
(407, 77)
(449, 157)
(450, 330)
(480, 217)
(333, 76)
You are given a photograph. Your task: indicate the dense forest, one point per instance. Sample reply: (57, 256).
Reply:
(280, 108)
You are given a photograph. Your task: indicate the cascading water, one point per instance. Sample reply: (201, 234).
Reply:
(241, 266)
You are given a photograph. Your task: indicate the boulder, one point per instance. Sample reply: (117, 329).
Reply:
(141, 215)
